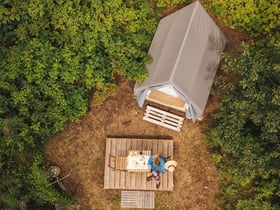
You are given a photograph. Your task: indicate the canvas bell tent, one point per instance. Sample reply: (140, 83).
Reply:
(185, 52)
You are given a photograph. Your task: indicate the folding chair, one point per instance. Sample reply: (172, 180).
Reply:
(117, 163)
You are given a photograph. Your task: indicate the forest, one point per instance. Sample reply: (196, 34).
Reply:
(57, 55)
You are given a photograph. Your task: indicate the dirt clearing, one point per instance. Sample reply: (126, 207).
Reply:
(80, 149)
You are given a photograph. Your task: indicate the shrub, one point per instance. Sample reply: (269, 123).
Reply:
(245, 133)
(255, 17)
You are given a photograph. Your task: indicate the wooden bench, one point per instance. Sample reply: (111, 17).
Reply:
(117, 163)
(167, 100)
(163, 118)
(137, 199)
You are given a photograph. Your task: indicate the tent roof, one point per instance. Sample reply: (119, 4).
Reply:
(186, 52)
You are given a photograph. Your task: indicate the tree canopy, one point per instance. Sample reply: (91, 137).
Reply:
(244, 134)
(54, 55)
(256, 17)
(246, 131)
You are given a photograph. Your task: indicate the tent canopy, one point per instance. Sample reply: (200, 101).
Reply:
(186, 51)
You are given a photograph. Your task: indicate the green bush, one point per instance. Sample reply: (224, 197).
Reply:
(54, 55)
(170, 3)
(38, 185)
(25, 184)
(245, 132)
(255, 17)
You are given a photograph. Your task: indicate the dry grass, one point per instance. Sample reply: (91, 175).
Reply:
(80, 148)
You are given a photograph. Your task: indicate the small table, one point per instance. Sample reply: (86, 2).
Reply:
(137, 162)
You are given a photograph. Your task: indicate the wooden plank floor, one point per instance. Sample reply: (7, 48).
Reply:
(138, 199)
(114, 179)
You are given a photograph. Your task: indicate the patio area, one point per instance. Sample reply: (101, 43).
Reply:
(127, 180)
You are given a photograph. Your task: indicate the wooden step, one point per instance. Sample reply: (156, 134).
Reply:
(138, 199)
(163, 118)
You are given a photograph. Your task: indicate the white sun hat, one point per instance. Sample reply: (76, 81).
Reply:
(170, 165)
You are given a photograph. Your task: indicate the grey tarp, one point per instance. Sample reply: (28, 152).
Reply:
(186, 51)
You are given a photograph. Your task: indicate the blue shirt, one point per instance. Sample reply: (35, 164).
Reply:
(159, 168)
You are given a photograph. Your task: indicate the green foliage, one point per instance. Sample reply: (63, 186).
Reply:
(101, 95)
(92, 41)
(245, 134)
(129, 38)
(54, 55)
(39, 185)
(170, 3)
(257, 17)
(27, 185)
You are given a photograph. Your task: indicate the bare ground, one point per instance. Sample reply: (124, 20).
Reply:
(80, 148)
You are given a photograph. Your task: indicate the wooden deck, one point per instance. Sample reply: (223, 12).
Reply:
(116, 179)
